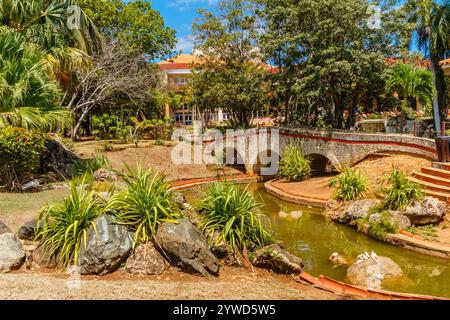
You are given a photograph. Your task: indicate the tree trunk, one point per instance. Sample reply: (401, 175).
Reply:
(436, 109)
(79, 122)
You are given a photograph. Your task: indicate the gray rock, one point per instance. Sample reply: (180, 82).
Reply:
(27, 231)
(371, 273)
(400, 220)
(44, 258)
(357, 210)
(338, 259)
(106, 249)
(179, 199)
(146, 260)
(31, 186)
(428, 211)
(4, 228)
(277, 259)
(12, 255)
(187, 248)
(105, 175)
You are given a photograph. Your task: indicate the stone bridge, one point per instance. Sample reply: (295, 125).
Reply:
(333, 148)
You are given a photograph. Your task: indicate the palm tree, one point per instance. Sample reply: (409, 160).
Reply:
(410, 83)
(28, 96)
(431, 26)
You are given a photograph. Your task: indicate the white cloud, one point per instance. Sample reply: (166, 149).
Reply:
(185, 44)
(183, 5)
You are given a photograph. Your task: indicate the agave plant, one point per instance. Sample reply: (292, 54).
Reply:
(145, 203)
(230, 212)
(63, 225)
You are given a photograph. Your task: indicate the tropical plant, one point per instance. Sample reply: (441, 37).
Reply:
(89, 166)
(63, 225)
(230, 212)
(145, 203)
(381, 226)
(28, 96)
(410, 83)
(401, 191)
(20, 152)
(350, 185)
(294, 166)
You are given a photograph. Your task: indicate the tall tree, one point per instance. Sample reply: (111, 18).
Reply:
(431, 28)
(231, 71)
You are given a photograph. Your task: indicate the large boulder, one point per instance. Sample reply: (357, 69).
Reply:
(187, 248)
(58, 159)
(357, 210)
(427, 211)
(277, 259)
(179, 199)
(12, 254)
(4, 228)
(106, 248)
(28, 230)
(146, 260)
(401, 221)
(371, 270)
(105, 175)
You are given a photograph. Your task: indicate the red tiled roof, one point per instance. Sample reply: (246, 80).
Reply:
(175, 66)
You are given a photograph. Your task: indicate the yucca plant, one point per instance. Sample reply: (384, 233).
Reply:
(145, 203)
(89, 166)
(230, 212)
(63, 225)
(401, 191)
(350, 185)
(294, 166)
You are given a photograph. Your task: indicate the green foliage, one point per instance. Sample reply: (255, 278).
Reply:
(294, 166)
(20, 152)
(350, 185)
(401, 191)
(63, 225)
(105, 126)
(230, 211)
(427, 232)
(89, 166)
(159, 142)
(380, 228)
(145, 203)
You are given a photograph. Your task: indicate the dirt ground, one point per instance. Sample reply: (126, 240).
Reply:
(233, 284)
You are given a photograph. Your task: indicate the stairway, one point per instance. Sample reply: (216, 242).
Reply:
(435, 180)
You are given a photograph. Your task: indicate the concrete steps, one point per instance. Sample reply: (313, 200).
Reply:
(435, 180)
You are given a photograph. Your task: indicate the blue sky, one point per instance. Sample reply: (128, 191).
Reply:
(179, 15)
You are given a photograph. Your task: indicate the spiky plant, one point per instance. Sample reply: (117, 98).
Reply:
(294, 166)
(350, 185)
(230, 212)
(401, 191)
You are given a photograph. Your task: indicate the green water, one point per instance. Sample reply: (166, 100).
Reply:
(314, 239)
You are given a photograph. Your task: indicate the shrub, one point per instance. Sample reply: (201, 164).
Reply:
(350, 185)
(401, 191)
(63, 225)
(145, 203)
(20, 153)
(230, 211)
(294, 166)
(159, 142)
(381, 228)
(89, 166)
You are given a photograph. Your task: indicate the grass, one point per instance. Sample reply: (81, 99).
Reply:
(294, 166)
(230, 211)
(350, 185)
(89, 166)
(64, 224)
(428, 232)
(379, 229)
(144, 204)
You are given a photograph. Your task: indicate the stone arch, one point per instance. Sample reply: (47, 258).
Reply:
(256, 168)
(323, 164)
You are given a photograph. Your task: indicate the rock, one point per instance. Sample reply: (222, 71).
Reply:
(370, 271)
(296, 215)
(179, 199)
(27, 231)
(31, 186)
(278, 260)
(337, 259)
(146, 260)
(357, 210)
(401, 221)
(106, 248)
(4, 228)
(44, 259)
(283, 215)
(105, 195)
(58, 159)
(428, 211)
(12, 255)
(105, 175)
(187, 248)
